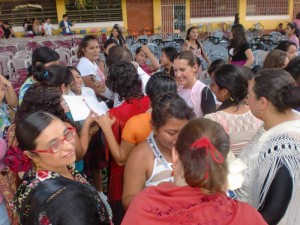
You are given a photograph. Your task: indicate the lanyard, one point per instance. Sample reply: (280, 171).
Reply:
(157, 153)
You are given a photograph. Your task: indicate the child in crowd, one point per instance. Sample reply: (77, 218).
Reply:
(292, 32)
(142, 54)
(280, 29)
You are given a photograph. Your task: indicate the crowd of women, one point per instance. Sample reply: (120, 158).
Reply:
(178, 145)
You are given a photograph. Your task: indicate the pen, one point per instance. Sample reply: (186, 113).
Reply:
(86, 104)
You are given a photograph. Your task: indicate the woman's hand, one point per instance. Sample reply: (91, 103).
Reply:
(105, 122)
(145, 49)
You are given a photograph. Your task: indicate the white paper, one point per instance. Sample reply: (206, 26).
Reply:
(80, 106)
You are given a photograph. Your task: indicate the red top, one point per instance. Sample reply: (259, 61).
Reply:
(169, 204)
(122, 113)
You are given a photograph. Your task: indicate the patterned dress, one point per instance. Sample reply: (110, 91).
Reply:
(46, 198)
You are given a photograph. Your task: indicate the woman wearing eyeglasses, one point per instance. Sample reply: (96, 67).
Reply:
(53, 192)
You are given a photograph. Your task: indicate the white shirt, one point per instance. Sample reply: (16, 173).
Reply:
(86, 68)
(48, 28)
(67, 27)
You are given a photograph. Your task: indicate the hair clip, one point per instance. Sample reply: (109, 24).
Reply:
(46, 74)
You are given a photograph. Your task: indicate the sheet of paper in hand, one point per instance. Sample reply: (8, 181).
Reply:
(80, 106)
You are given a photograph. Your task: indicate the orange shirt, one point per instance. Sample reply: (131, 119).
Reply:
(137, 128)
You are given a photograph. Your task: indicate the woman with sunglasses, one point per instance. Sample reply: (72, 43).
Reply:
(53, 192)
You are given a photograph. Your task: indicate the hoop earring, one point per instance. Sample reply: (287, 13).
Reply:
(172, 172)
(36, 166)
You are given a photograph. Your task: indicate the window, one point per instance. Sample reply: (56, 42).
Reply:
(213, 8)
(94, 11)
(267, 7)
(15, 12)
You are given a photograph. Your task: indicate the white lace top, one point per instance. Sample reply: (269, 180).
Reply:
(240, 127)
(264, 155)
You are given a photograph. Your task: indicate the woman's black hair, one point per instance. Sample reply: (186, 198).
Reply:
(217, 63)
(298, 16)
(54, 75)
(138, 50)
(84, 43)
(278, 87)
(118, 53)
(170, 106)
(294, 26)
(25, 22)
(124, 80)
(170, 52)
(160, 84)
(42, 56)
(236, 18)
(188, 38)
(294, 69)
(30, 127)
(239, 38)
(120, 34)
(70, 68)
(41, 97)
(232, 78)
(255, 69)
(284, 45)
(248, 72)
(109, 42)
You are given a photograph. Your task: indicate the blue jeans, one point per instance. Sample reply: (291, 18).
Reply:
(4, 220)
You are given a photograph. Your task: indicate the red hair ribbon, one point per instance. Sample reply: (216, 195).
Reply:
(205, 143)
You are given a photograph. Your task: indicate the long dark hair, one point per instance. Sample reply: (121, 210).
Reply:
(239, 38)
(171, 53)
(294, 27)
(231, 77)
(120, 34)
(188, 32)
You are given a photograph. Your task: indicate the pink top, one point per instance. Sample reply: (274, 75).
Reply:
(193, 96)
(240, 127)
(295, 39)
(146, 68)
